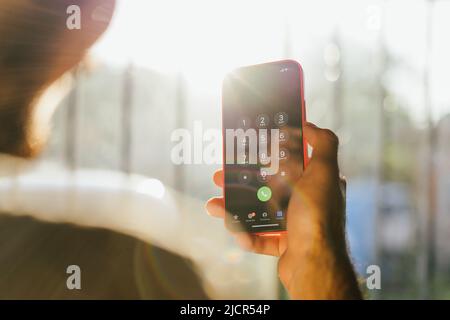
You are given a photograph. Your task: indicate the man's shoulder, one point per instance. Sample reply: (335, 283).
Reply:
(35, 256)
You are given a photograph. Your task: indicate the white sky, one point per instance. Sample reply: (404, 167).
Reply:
(204, 39)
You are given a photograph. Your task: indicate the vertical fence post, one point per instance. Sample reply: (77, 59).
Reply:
(72, 124)
(429, 247)
(382, 129)
(338, 112)
(180, 121)
(126, 120)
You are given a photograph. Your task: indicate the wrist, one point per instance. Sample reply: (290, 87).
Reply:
(321, 269)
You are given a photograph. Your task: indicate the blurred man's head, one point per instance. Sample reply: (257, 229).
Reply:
(37, 48)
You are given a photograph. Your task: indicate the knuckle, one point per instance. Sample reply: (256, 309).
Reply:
(323, 165)
(325, 169)
(330, 136)
(343, 182)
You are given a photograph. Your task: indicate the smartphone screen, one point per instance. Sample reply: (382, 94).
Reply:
(263, 116)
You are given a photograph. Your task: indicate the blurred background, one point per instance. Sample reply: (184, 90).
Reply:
(376, 72)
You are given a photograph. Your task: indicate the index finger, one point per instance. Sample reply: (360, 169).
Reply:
(323, 141)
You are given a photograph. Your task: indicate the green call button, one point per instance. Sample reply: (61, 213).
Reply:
(264, 194)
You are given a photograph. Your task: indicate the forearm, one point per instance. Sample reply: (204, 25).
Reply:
(323, 274)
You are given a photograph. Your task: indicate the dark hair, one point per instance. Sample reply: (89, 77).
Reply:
(36, 48)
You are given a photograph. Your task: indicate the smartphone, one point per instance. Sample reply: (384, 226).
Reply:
(263, 114)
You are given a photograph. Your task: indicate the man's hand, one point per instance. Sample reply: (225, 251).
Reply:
(314, 263)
